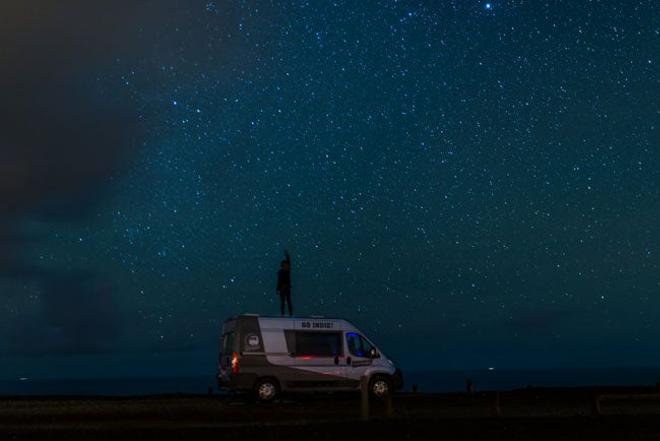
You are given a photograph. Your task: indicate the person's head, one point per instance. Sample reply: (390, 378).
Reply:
(284, 265)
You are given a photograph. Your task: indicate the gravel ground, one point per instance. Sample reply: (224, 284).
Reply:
(544, 414)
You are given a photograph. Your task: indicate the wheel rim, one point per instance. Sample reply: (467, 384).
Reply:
(267, 391)
(380, 388)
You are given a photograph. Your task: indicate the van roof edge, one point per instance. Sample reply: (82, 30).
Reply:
(248, 314)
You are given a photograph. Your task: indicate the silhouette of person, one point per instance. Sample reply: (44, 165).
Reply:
(284, 283)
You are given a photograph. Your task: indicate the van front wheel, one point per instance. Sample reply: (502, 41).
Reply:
(380, 387)
(266, 389)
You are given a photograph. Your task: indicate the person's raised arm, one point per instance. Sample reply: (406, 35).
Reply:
(288, 258)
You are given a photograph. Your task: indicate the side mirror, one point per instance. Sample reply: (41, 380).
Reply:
(373, 353)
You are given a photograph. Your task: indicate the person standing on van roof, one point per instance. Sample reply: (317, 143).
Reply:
(284, 283)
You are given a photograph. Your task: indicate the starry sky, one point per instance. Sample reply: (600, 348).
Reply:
(472, 183)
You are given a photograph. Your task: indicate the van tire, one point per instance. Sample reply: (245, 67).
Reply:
(380, 387)
(266, 389)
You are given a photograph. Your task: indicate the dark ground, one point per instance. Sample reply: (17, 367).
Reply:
(532, 414)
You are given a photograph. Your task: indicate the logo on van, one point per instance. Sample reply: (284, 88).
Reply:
(317, 325)
(252, 342)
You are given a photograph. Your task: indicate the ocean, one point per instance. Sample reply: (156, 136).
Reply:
(425, 381)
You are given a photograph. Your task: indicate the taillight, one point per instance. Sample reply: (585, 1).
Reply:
(234, 363)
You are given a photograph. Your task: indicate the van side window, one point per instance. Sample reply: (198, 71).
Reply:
(358, 346)
(320, 344)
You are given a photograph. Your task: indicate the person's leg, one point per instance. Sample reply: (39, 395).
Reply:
(288, 301)
(282, 299)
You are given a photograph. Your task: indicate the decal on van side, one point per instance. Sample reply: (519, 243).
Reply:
(316, 325)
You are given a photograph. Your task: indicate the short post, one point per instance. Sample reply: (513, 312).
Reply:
(388, 405)
(595, 403)
(495, 409)
(469, 386)
(364, 392)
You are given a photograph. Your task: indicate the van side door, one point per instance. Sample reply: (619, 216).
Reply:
(316, 358)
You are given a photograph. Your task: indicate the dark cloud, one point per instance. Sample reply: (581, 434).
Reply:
(63, 142)
(79, 315)
(68, 136)
(62, 138)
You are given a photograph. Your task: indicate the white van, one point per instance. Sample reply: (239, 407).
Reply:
(269, 355)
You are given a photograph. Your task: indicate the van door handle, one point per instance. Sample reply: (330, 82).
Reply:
(348, 361)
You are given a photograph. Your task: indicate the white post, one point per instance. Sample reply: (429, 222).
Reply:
(364, 392)
(388, 404)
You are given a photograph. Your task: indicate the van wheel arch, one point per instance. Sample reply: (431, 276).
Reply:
(266, 389)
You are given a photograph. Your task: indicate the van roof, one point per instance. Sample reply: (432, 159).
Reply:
(247, 314)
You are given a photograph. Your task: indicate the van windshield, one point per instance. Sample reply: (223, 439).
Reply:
(358, 346)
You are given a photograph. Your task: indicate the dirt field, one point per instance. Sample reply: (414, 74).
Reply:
(626, 414)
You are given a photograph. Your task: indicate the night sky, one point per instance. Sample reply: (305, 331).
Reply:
(472, 183)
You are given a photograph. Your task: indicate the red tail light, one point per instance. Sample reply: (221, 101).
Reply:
(234, 363)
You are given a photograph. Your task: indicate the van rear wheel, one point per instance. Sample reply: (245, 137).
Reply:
(380, 387)
(266, 389)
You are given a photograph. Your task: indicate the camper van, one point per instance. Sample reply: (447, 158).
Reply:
(269, 355)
